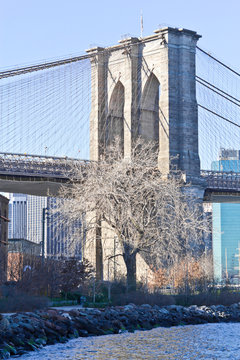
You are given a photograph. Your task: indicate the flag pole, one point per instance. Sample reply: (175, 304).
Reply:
(141, 24)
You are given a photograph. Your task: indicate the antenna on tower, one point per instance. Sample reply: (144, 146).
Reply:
(141, 21)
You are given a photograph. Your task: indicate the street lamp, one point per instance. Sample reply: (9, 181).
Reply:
(44, 212)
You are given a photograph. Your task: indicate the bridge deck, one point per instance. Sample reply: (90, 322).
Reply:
(17, 171)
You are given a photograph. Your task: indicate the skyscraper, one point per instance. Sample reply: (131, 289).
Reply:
(226, 225)
(63, 239)
(37, 219)
(18, 216)
(35, 206)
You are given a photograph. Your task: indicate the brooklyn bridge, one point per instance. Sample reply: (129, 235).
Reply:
(162, 87)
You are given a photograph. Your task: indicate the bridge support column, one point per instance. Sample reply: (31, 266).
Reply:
(178, 136)
(97, 122)
(99, 101)
(146, 87)
(108, 70)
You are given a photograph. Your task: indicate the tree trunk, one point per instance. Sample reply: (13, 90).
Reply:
(130, 262)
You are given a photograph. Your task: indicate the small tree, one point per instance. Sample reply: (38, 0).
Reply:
(73, 274)
(148, 212)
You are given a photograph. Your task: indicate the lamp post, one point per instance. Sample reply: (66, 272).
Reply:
(44, 212)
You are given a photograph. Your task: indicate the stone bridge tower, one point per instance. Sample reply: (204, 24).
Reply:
(146, 86)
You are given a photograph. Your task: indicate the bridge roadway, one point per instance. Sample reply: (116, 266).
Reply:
(35, 174)
(44, 175)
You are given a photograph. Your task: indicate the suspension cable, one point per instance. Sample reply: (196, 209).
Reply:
(220, 116)
(218, 93)
(220, 62)
(215, 87)
(20, 71)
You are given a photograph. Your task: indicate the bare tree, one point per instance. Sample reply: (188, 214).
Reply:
(148, 212)
(193, 273)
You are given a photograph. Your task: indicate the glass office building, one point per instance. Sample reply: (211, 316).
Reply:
(27, 217)
(17, 213)
(63, 239)
(226, 225)
(35, 206)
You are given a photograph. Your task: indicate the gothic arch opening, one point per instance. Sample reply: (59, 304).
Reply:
(149, 115)
(115, 118)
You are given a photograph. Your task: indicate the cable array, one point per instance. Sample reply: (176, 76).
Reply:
(47, 112)
(218, 96)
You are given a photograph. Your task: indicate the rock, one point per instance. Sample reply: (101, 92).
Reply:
(146, 306)
(94, 312)
(52, 341)
(67, 316)
(51, 334)
(32, 346)
(104, 324)
(205, 308)
(21, 351)
(4, 324)
(81, 322)
(164, 311)
(64, 339)
(41, 341)
(81, 313)
(4, 354)
(133, 321)
(145, 324)
(28, 331)
(26, 326)
(111, 313)
(220, 308)
(129, 307)
(10, 348)
(117, 324)
(34, 315)
(213, 307)
(52, 312)
(83, 333)
(74, 313)
(124, 320)
(91, 328)
(234, 307)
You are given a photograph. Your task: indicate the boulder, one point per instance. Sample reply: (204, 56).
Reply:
(146, 306)
(4, 324)
(74, 313)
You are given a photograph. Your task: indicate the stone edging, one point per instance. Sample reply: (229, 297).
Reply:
(23, 332)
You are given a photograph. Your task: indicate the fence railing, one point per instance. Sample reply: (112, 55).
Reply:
(37, 165)
(219, 180)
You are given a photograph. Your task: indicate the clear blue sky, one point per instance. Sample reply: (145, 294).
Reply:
(32, 30)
